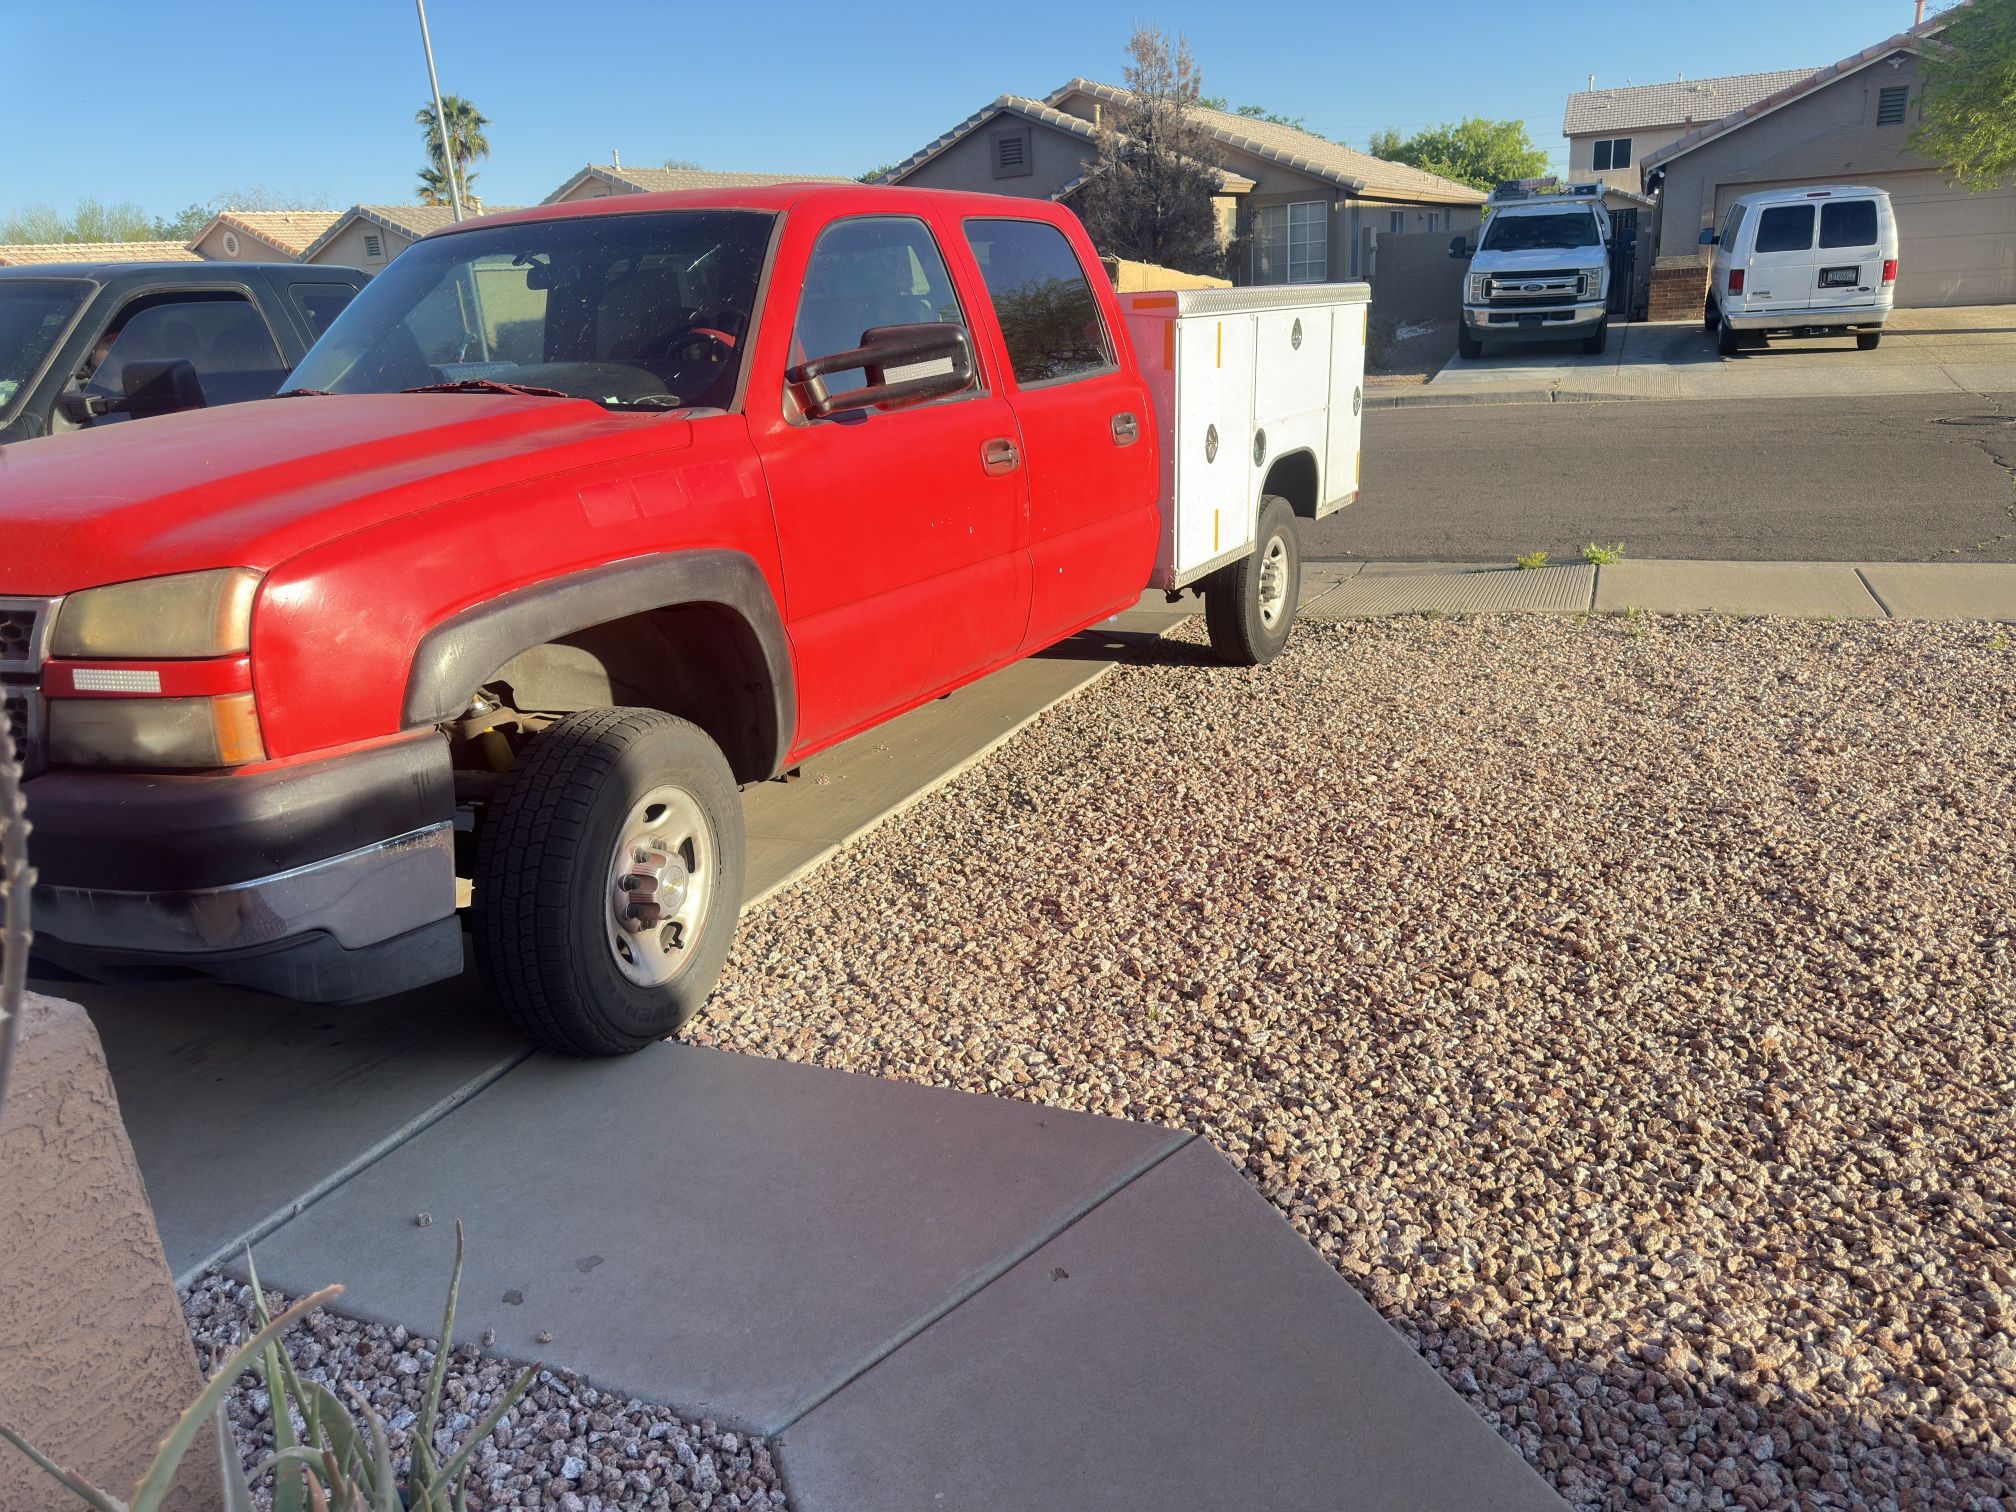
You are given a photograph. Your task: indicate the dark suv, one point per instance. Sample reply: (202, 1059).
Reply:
(91, 344)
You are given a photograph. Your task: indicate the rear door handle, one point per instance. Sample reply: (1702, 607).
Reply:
(1126, 429)
(999, 456)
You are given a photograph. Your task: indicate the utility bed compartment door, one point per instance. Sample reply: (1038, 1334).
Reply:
(1214, 446)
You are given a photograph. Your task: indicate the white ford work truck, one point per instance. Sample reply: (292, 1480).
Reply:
(1541, 270)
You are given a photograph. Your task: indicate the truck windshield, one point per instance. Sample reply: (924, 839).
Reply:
(1556, 231)
(647, 311)
(34, 313)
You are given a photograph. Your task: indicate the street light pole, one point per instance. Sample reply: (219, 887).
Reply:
(440, 115)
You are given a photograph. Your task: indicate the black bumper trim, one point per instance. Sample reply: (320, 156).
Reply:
(143, 832)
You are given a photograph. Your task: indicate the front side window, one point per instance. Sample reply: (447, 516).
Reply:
(1733, 225)
(1785, 228)
(1291, 242)
(879, 270)
(1550, 231)
(1049, 317)
(34, 314)
(219, 335)
(646, 312)
(1848, 223)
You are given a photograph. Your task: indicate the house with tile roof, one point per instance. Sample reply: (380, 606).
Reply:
(261, 235)
(600, 180)
(1611, 131)
(42, 254)
(370, 236)
(1304, 209)
(1847, 123)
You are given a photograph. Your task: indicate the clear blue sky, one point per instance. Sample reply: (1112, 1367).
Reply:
(173, 101)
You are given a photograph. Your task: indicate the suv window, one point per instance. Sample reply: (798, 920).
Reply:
(872, 270)
(1848, 223)
(320, 304)
(1785, 228)
(1042, 299)
(222, 335)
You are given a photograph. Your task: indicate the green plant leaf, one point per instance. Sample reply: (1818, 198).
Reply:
(457, 1461)
(385, 1480)
(154, 1485)
(424, 1472)
(100, 1500)
(231, 1470)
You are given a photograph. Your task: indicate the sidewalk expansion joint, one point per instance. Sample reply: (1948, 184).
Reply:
(944, 1308)
(1870, 588)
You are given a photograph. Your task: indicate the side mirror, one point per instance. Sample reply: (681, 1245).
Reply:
(1709, 236)
(1459, 248)
(160, 387)
(903, 362)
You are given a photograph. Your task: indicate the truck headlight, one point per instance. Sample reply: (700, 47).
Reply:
(1592, 283)
(1480, 288)
(154, 732)
(166, 618)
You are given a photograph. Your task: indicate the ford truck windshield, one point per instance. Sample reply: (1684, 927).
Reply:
(648, 311)
(34, 313)
(1561, 230)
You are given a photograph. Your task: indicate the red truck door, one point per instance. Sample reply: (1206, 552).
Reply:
(1085, 422)
(901, 530)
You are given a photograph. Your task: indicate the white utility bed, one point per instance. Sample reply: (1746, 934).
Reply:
(1252, 387)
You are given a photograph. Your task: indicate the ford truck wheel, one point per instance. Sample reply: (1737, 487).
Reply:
(1469, 347)
(1596, 340)
(608, 881)
(1249, 606)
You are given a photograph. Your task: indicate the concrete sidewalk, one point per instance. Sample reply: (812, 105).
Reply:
(1953, 351)
(1800, 590)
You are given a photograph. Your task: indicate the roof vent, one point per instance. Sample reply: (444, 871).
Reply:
(230, 243)
(374, 248)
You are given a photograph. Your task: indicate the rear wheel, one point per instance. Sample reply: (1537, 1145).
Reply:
(1711, 318)
(608, 881)
(1596, 340)
(1249, 607)
(1728, 340)
(1468, 346)
(1868, 340)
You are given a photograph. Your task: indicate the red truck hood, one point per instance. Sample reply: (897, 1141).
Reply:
(250, 485)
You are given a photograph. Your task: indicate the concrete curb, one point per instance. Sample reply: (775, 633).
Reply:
(1426, 397)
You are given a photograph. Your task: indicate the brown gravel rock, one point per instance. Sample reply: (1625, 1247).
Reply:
(1626, 1008)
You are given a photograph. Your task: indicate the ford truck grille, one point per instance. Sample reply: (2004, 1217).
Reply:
(1550, 286)
(24, 643)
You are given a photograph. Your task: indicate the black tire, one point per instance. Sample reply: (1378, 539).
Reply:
(1596, 340)
(544, 880)
(1728, 340)
(1711, 318)
(1233, 610)
(1468, 347)
(1868, 341)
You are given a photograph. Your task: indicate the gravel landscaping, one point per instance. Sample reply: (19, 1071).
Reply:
(565, 1446)
(1627, 1007)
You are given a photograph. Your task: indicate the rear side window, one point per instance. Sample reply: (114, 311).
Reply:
(1848, 223)
(320, 303)
(1042, 299)
(1785, 228)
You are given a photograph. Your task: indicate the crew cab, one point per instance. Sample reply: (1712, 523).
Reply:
(1808, 262)
(1541, 269)
(578, 519)
(91, 345)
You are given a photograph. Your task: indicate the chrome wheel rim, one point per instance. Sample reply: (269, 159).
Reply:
(660, 881)
(1273, 582)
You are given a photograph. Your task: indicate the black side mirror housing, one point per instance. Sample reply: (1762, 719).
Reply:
(160, 386)
(1460, 249)
(944, 347)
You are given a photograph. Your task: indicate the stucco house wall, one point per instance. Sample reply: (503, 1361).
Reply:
(346, 249)
(1056, 158)
(1645, 140)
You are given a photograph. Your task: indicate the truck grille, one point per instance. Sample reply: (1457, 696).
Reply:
(24, 721)
(1550, 286)
(24, 643)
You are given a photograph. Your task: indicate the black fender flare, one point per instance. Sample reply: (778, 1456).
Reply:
(458, 655)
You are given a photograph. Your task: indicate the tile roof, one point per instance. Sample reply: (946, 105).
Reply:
(1639, 106)
(292, 231)
(412, 221)
(1904, 41)
(658, 180)
(1042, 114)
(20, 254)
(1305, 152)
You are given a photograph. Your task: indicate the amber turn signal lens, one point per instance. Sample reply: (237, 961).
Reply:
(155, 732)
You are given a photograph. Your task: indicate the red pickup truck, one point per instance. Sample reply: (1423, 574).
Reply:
(577, 519)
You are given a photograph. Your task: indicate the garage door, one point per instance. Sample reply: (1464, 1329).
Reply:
(1953, 248)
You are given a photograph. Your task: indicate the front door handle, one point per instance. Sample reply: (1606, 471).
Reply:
(1126, 428)
(999, 456)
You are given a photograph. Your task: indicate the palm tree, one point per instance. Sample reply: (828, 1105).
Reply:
(465, 132)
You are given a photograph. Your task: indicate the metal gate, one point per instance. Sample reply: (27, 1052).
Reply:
(1623, 259)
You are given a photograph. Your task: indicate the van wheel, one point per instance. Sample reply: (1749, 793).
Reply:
(608, 881)
(1868, 341)
(1249, 607)
(1596, 340)
(1711, 318)
(1468, 347)
(1728, 340)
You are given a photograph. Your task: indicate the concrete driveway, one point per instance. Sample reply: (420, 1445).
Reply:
(1970, 349)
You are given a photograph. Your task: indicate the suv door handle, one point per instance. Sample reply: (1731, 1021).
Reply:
(1126, 428)
(999, 456)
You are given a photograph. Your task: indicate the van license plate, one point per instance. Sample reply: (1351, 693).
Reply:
(1840, 278)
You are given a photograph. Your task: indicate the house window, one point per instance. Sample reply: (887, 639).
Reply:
(1396, 222)
(1011, 154)
(1613, 152)
(1291, 243)
(374, 248)
(1434, 221)
(1891, 103)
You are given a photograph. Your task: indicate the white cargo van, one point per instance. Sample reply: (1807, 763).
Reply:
(1803, 261)
(1541, 269)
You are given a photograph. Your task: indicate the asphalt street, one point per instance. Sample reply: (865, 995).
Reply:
(1906, 479)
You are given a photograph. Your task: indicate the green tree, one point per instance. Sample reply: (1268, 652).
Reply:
(465, 132)
(1476, 151)
(1149, 195)
(89, 221)
(1969, 122)
(876, 174)
(684, 163)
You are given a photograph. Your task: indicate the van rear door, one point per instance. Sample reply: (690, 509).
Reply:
(1781, 275)
(1848, 264)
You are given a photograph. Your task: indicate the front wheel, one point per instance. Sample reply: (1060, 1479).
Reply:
(608, 881)
(1711, 318)
(1468, 346)
(1249, 607)
(1868, 341)
(1596, 340)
